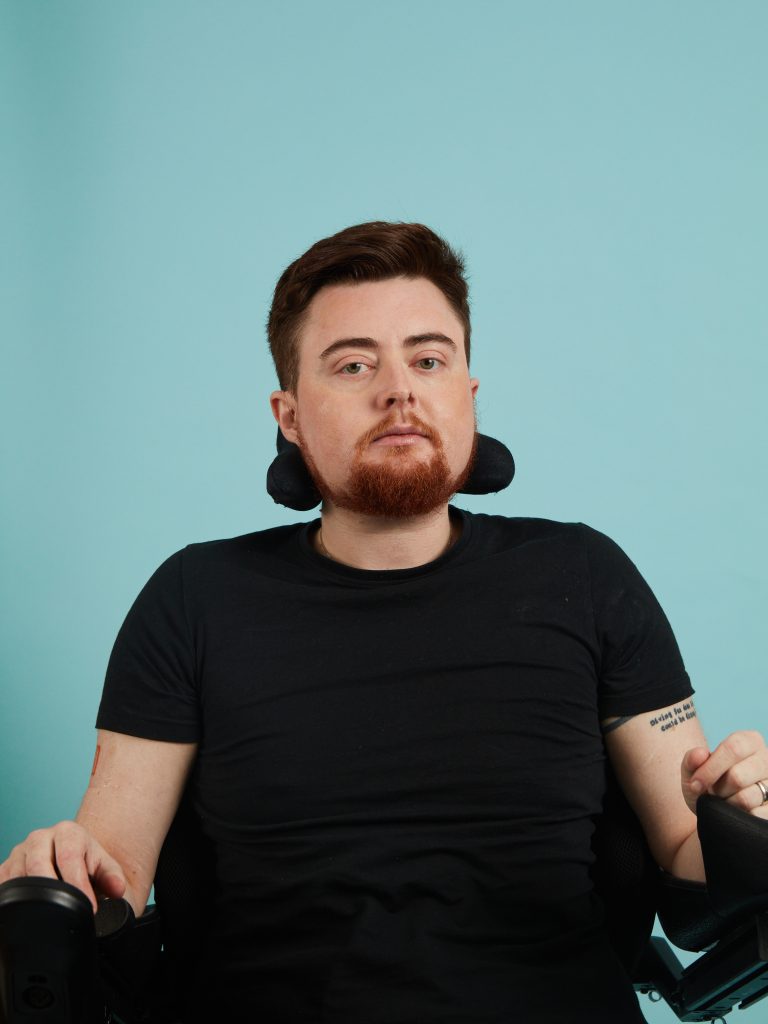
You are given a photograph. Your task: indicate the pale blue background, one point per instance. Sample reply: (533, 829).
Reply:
(602, 165)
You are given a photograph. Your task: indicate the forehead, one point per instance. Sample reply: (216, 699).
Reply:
(385, 310)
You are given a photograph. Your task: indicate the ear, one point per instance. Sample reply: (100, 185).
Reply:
(474, 384)
(283, 404)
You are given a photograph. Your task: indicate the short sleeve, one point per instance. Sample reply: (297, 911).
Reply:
(150, 685)
(640, 665)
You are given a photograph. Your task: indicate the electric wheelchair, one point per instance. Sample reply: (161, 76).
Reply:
(60, 964)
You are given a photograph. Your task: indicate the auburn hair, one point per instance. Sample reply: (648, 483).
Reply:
(376, 251)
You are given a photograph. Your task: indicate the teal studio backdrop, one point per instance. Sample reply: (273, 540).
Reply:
(603, 166)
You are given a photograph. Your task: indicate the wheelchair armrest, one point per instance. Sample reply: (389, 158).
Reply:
(727, 917)
(61, 963)
(686, 914)
(47, 952)
(734, 844)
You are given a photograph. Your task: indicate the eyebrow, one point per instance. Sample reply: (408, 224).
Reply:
(371, 343)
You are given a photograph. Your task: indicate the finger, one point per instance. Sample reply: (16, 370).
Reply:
(38, 857)
(13, 867)
(750, 798)
(112, 886)
(107, 874)
(743, 775)
(70, 860)
(737, 747)
(693, 759)
(7, 868)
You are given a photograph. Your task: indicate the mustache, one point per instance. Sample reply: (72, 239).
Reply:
(393, 421)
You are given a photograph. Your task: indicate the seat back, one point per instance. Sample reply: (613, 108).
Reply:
(625, 875)
(185, 881)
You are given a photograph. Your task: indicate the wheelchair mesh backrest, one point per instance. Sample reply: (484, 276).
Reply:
(625, 875)
(184, 890)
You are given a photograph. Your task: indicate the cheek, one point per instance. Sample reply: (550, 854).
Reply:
(458, 431)
(317, 423)
(328, 443)
(458, 453)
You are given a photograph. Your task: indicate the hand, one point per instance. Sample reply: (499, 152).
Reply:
(69, 852)
(730, 772)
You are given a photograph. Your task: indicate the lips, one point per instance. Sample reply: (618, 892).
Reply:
(389, 433)
(400, 431)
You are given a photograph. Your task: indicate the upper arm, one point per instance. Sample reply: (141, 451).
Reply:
(646, 752)
(135, 788)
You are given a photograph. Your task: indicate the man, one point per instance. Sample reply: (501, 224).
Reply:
(389, 722)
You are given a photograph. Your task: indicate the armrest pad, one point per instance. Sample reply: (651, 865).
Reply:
(734, 844)
(47, 950)
(735, 848)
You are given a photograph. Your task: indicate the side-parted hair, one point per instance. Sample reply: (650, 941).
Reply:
(377, 251)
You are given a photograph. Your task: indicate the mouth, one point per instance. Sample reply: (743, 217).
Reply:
(400, 432)
(400, 435)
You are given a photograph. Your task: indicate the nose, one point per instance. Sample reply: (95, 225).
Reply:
(395, 389)
(399, 398)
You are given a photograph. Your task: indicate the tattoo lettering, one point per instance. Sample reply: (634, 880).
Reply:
(676, 716)
(96, 760)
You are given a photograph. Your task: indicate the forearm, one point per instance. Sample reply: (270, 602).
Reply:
(131, 799)
(136, 889)
(688, 861)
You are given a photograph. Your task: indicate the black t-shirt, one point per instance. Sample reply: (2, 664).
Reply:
(400, 770)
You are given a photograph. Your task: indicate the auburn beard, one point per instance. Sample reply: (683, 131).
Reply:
(399, 487)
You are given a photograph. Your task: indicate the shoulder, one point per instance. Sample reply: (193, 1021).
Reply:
(565, 546)
(259, 543)
(206, 561)
(524, 530)
(250, 559)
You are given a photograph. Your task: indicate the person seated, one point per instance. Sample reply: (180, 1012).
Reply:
(394, 723)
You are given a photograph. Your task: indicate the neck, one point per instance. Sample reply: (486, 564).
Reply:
(373, 542)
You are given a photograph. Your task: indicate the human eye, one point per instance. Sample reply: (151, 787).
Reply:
(428, 362)
(353, 369)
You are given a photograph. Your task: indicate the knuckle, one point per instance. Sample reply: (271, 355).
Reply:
(66, 828)
(738, 776)
(67, 854)
(737, 744)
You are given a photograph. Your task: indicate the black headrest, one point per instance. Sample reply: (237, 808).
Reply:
(289, 482)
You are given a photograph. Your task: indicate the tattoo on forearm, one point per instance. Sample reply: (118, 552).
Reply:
(96, 760)
(675, 716)
(616, 723)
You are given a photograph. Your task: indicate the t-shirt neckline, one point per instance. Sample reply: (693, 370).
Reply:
(350, 572)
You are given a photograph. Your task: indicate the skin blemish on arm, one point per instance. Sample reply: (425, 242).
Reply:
(96, 760)
(675, 716)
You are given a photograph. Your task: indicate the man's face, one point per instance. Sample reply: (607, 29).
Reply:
(384, 406)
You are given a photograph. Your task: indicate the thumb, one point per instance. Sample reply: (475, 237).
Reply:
(693, 759)
(109, 878)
